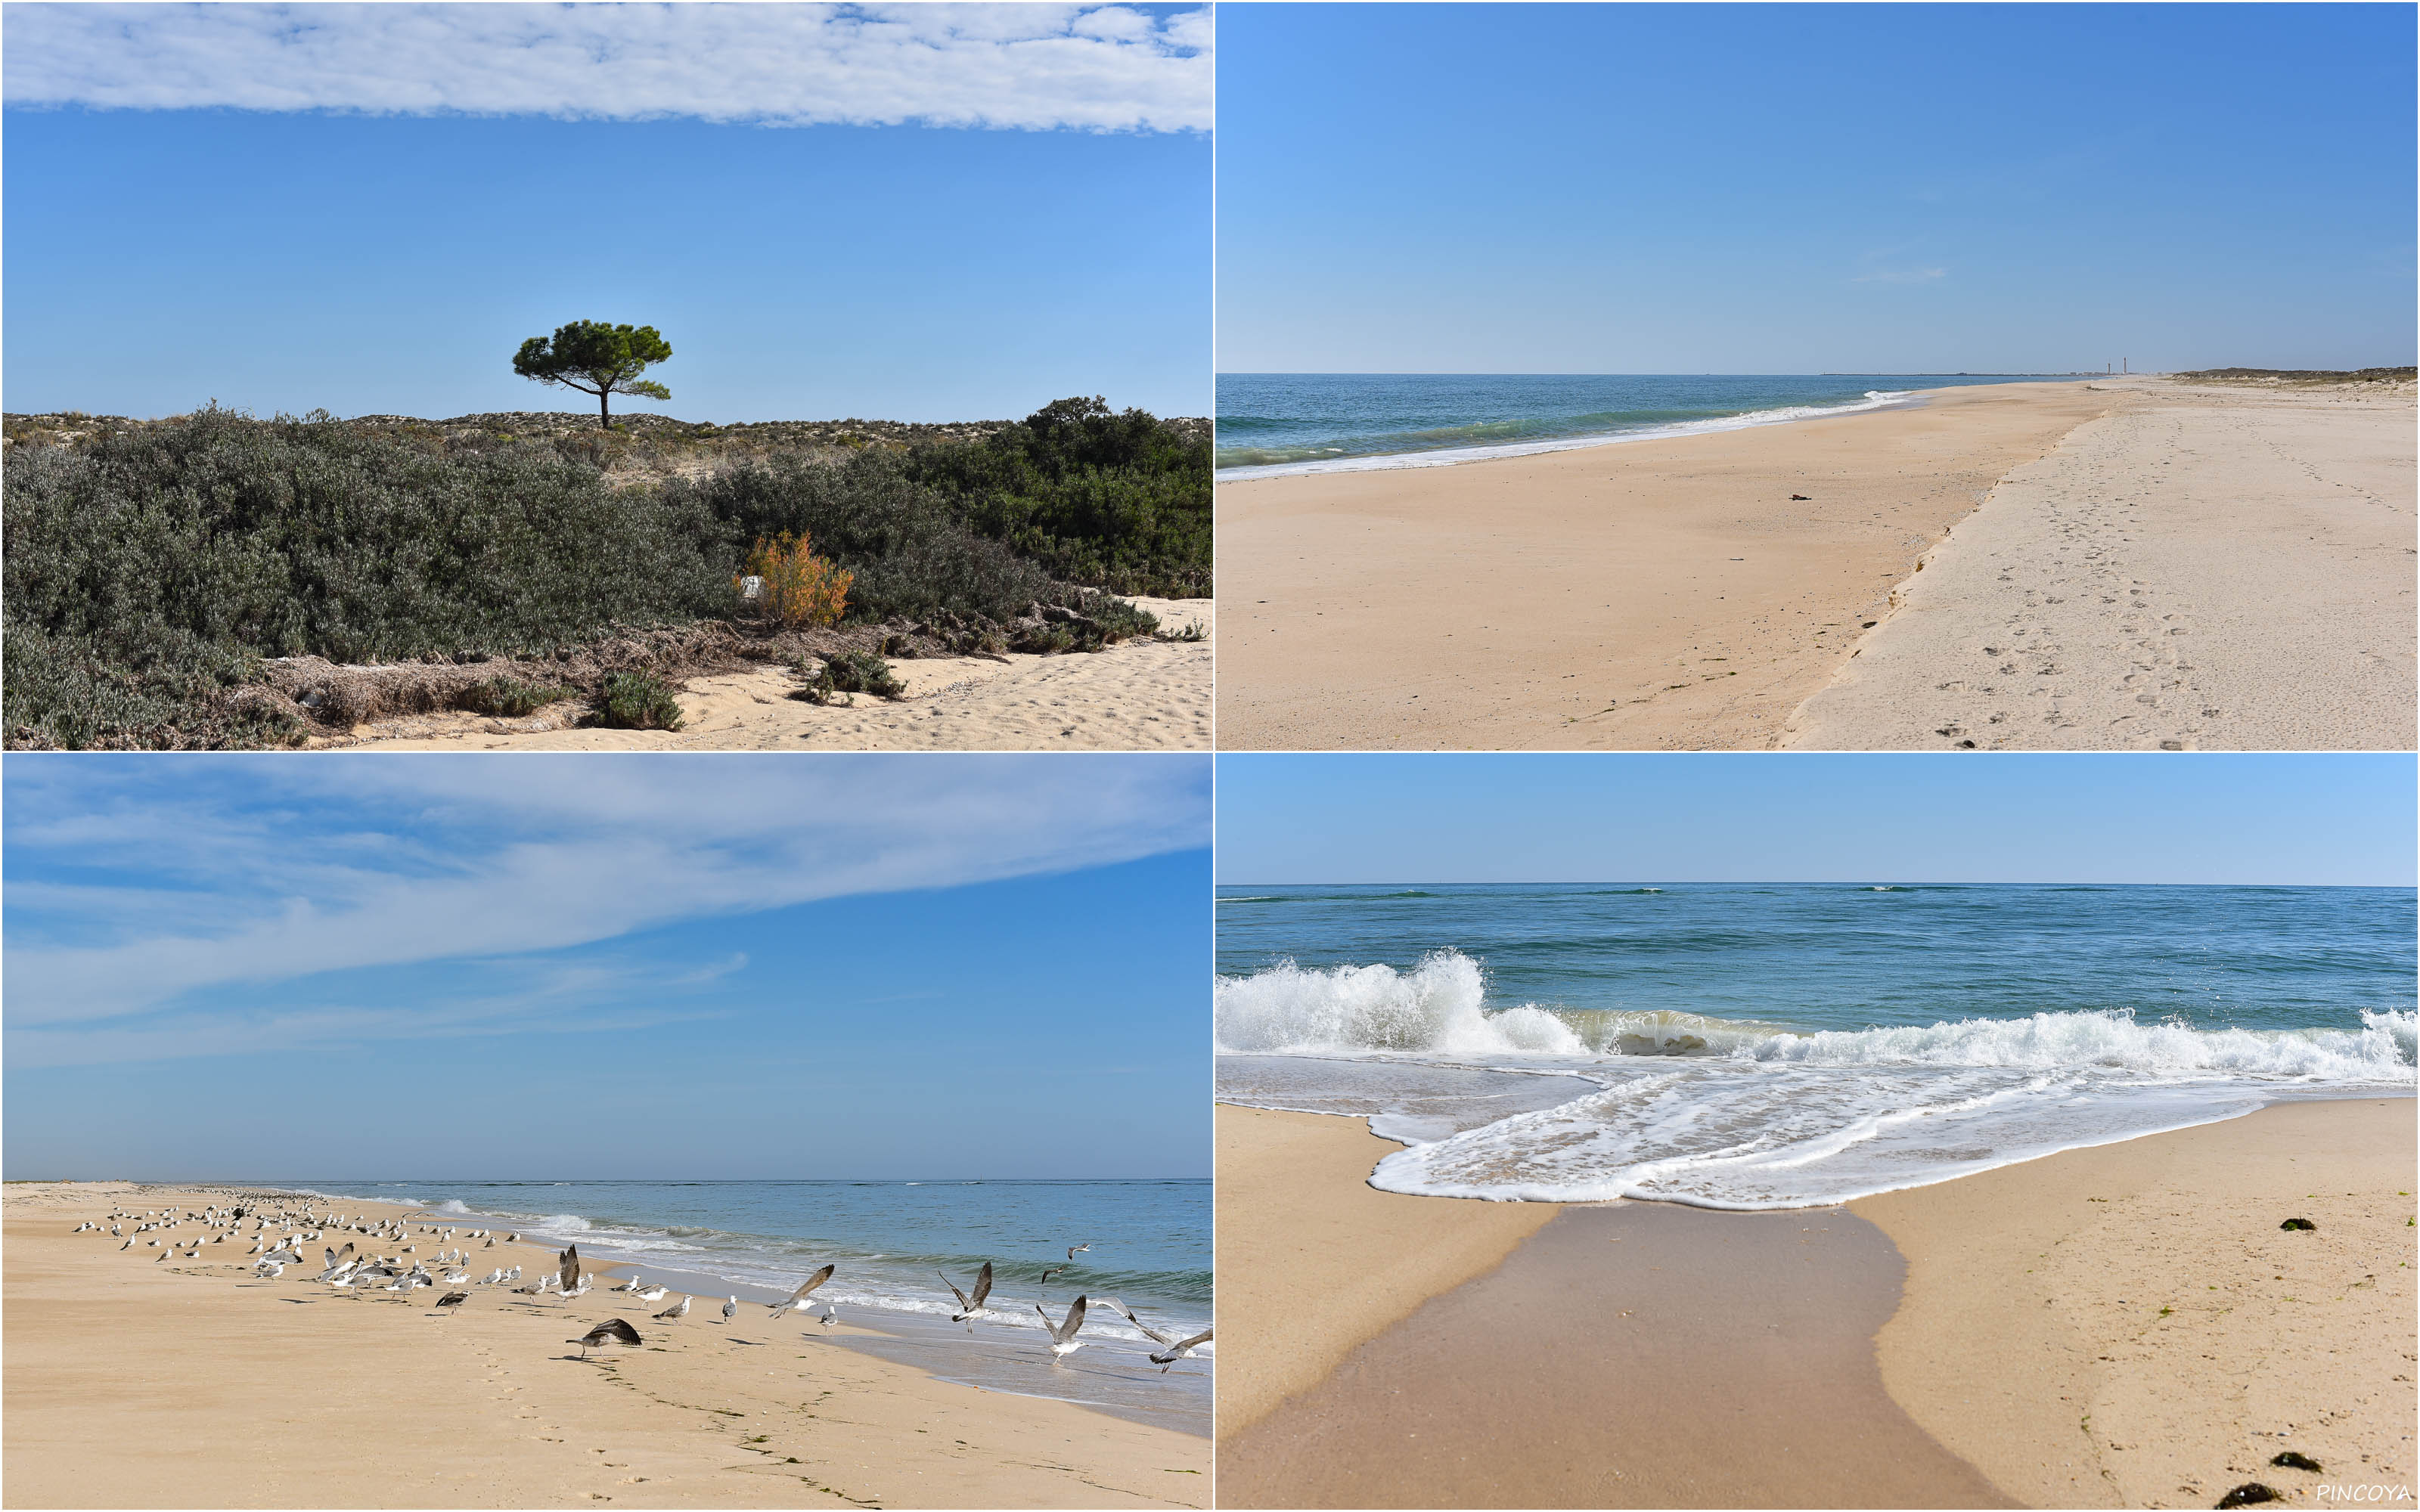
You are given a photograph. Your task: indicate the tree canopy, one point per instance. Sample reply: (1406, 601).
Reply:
(599, 359)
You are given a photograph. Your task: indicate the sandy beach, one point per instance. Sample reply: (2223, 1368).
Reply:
(1708, 591)
(2208, 566)
(138, 1383)
(1137, 695)
(1962, 1344)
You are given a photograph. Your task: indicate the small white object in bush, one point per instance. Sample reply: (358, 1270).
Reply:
(751, 587)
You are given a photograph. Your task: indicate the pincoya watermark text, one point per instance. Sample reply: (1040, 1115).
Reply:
(2365, 1493)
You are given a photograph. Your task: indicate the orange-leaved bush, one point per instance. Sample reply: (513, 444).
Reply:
(798, 588)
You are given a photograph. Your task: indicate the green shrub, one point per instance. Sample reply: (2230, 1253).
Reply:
(848, 672)
(1109, 499)
(635, 701)
(510, 698)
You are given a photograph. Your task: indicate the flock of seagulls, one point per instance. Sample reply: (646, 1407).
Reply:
(364, 1264)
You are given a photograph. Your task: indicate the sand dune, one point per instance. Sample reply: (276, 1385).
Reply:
(1139, 695)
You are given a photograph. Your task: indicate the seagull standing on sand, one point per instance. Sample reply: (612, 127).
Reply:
(730, 1308)
(1062, 1335)
(674, 1313)
(612, 1330)
(970, 1306)
(799, 1299)
(452, 1301)
(656, 1293)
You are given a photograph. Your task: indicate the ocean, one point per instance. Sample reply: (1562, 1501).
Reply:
(1778, 1046)
(892, 1241)
(1274, 424)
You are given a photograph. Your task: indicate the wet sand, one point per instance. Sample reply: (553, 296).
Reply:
(1137, 695)
(137, 1382)
(1607, 1363)
(2212, 567)
(1988, 1341)
(1662, 595)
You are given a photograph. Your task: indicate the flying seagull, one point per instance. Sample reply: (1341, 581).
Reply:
(798, 1298)
(970, 1306)
(1062, 1335)
(1077, 1250)
(570, 1267)
(612, 1330)
(1172, 1348)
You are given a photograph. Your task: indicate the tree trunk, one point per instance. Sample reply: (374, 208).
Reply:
(604, 422)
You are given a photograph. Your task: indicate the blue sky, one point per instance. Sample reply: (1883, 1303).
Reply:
(733, 966)
(1799, 189)
(2323, 820)
(829, 213)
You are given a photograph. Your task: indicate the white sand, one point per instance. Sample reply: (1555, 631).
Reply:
(1138, 695)
(2203, 568)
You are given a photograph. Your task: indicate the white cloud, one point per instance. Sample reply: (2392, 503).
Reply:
(486, 856)
(1019, 66)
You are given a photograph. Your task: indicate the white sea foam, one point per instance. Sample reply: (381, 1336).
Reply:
(1733, 1115)
(1449, 457)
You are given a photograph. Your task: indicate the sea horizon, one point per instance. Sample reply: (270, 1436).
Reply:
(1279, 424)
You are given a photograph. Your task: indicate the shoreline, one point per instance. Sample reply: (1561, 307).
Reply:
(1674, 593)
(1979, 1412)
(1457, 456)
(325, 1402)
(1766, 585)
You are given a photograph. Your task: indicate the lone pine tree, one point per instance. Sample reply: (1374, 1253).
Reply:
(599, 359)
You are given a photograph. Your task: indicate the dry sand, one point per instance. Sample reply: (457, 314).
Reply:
(2206, 567)
(137, 1382)
(1559, 1369)
(2128, 1326)
(1672, 595)
(1649, 595)
(1138, 695)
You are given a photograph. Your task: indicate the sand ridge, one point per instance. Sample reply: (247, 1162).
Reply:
(139, 1382)
(2205, 568)
(1137, 695)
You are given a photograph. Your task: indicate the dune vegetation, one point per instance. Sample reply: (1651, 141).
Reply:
(194, 582)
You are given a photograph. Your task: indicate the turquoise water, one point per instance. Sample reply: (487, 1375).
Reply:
(1782, 1045)
(1271, 424)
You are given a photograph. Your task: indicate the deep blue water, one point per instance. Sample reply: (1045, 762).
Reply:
(1309, 422)
(1841, 956)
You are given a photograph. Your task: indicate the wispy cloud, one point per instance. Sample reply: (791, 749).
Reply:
(1017, 67)
(1903, 275)
(283, 871)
